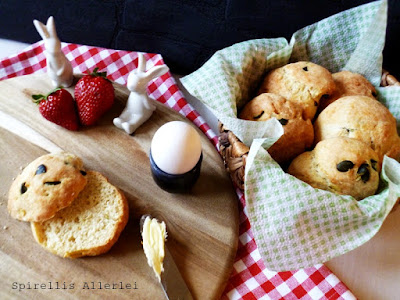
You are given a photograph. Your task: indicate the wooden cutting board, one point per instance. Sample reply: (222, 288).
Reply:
(202, 226)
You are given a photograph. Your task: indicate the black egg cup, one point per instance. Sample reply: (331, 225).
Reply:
(180, 183)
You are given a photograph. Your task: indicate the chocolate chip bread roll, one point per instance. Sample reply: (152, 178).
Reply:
(47, 185)
(341, 165)
(304, 83)
(362, 118)
(298, 132)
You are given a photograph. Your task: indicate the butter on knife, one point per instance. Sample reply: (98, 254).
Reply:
(154, 234)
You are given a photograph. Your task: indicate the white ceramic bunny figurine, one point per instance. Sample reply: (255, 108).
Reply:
(139, 107)
(59, 68)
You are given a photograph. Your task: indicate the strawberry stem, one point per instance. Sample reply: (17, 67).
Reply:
(95, 73)
(39, 97)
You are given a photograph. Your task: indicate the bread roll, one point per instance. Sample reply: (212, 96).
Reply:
(298, 132)
(304, 83)
(348, 84)
(48, 184)
(362, 118)
(341, 165)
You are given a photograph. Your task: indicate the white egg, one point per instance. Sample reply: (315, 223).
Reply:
(176, 147)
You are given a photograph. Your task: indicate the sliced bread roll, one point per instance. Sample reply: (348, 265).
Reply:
(90, 225)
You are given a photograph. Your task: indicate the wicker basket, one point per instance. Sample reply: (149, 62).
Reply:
(234, 152)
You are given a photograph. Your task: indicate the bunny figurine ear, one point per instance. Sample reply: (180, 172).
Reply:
(46, 31)
(157, 71)
(41, 29)
(51, 27)
(141, 62)
(154, 72)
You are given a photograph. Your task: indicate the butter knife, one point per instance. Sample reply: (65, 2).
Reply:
(172, 283)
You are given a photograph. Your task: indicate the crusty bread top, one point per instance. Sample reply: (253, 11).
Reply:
(48, 184)
(302, 82)
(348, 84)
(268, 105)
(362, 118)
(90, 225)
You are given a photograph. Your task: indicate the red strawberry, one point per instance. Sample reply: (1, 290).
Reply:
(58, 107)
(94, 95)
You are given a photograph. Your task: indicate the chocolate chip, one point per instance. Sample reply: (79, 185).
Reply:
(315, 103)
(41, 169)
(305, 69)
(348, 130)
(344, 166)
(283, 121)
(83, 172)
(365, 176)
(259, 116)
(23, 188)
(363, 170)
(52, 182)
(374, 164)
(374, 94)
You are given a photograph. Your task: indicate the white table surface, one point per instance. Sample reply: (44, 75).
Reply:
(8, 47)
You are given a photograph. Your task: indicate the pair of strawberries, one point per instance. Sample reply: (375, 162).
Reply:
(94, 95)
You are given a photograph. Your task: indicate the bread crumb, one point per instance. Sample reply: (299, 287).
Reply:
(5, 227)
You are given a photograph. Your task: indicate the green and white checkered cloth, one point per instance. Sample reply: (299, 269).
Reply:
(294, 224)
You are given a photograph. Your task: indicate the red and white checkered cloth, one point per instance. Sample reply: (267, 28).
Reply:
(249, 279)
